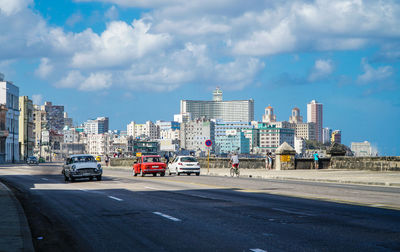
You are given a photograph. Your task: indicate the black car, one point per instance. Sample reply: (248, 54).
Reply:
(32, 160)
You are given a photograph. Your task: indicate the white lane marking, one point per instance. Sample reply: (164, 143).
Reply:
(45, 179)
(257, 250)
(151, 188)
(115, 198)
(293, 212)
(167, 216)
(204, 197)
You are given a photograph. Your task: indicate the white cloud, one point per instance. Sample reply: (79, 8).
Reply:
(11, 7)
(72, 80)
(96, 81)
(45, 68)
(74, 19)
(37, 99)
(321, 70)
(120, 44)
(374, 75)
(112, 13)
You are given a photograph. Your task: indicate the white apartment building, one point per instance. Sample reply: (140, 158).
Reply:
(9, 95)
(195, 133)
(170, 134)
(272, 137)
(147, 130)
(299, 145)
(96, 126)
(98, 144)
(70, 135)
(315, 115)
(229, 111)
(305, 131)
(363, 149)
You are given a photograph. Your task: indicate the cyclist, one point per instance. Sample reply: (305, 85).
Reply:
(235, 161)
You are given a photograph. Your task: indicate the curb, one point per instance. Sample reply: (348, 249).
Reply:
(25, 231)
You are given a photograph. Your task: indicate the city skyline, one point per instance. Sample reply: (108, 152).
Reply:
(136, 61)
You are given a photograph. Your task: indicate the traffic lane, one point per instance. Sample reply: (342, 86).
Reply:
(251, 210)
(384, 197)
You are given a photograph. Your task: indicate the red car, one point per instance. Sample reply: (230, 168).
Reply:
(149, 164)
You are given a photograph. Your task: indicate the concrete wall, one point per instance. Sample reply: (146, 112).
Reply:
(366, 163)
(357, 163)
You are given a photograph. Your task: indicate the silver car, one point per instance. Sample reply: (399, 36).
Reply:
(184, 164)
(81, 166)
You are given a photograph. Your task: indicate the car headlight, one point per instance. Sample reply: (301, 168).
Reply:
(73, 167)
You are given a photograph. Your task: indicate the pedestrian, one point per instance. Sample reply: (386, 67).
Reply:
(269, 161)
(316, 160)
(266, 161)
(166, 158)
(107, 160)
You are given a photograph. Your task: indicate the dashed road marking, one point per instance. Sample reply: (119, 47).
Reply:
(292, 212)
(166, 216)
(115, 198)
(151, 188)
(257, 250)
(45, 179)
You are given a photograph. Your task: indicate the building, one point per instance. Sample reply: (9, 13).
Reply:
(221, 129)
(336, 137)
(9, 95)
(54, 116)
(96, 126)
(195, 133)
(305, 131)
(163, 125)
(254, 138)
(299, 145)
(269, 116)
(283, 124)
(68, 121)
(272, 137)
(98, 144)
(295, 117)
(233, 141)
(170, 134)
(229, 111)
(143, 131)
(39, 124)
(142, 146)
(315, 115)
(326, 135)
(3, 132)
(26, 136)
(181, 118)
(363, 149)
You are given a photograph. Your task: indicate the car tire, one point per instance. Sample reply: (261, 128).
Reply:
(90, 178)
(162, 174)
(134, 173)
(197, 173)
(98, 178)
(188, 173)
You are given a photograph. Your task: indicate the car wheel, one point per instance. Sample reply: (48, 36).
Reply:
(134, 173)
(188, 173)
(162, 174)
(98, 178)
(197, 173)
(169, 172)
(90, 178)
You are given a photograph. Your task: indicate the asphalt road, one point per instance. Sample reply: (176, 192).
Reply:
(190, 213)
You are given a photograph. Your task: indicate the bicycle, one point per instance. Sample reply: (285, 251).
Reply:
(235, 171)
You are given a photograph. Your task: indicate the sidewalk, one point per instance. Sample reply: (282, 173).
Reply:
(14, 229)
(324, 175)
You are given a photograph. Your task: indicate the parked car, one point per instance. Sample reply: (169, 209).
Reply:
(32, 160)
(184, 164)
(149, 164)
(81, 166)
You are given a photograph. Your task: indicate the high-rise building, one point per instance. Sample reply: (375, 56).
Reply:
(305, 131)
(97, 126)
(314, 114)
(233, 141)
(336, 137)
(9, 95)
(54, 116)
(326, 135)
(272, 137)
(229, 111)
(269, 116)
(68, 121)
(26, 136)
(195, 133)
(295, 117)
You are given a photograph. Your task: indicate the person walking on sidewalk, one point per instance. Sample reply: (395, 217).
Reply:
(268, 161)
(316, 160)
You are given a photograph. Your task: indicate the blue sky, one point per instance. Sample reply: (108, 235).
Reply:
(135, 59)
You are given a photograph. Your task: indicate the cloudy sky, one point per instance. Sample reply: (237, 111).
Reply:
(135, 59)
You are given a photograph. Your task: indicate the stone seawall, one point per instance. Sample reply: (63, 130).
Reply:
(351, 163)
(366, 163)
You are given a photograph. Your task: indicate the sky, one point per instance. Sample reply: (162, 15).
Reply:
(134, 60)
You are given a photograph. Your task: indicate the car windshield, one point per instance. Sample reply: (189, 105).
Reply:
(82, 159)
(151, 159)
(188, 159)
